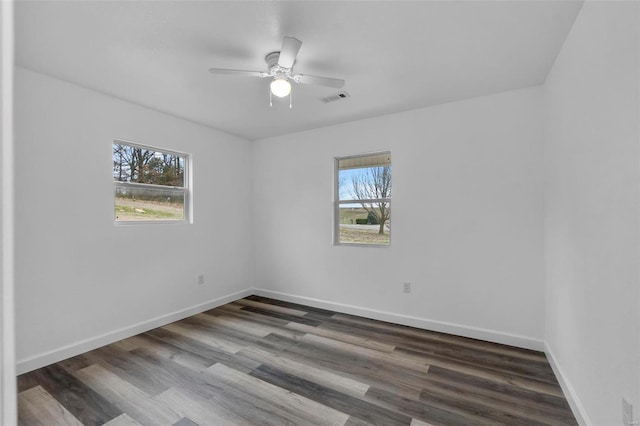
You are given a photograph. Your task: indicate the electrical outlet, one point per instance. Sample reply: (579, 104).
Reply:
(627, 413)
(200, 279)
(406, 287)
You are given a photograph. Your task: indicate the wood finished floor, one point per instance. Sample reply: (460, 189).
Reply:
(260, 361)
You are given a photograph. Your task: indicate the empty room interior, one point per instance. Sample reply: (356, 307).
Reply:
(320, 212)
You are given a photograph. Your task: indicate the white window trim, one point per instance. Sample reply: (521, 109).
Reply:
(337, 202)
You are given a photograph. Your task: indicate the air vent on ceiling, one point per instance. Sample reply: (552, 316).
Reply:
(338, 96)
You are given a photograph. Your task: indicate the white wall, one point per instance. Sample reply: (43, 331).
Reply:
(8, 406)
(79, 276)
(467, 219)
(592, 210)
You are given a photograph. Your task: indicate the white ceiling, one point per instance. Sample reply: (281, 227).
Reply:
(394, 55)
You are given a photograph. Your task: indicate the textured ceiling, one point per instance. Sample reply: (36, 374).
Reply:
(394, 55)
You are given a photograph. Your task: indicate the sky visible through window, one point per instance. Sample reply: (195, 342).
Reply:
(345, 182)
(361, 222)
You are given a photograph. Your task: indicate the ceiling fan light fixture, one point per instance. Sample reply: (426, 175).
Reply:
(280, 87)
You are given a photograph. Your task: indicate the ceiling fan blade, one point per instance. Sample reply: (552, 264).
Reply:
(289, 51)
(336, 83)
(222, 71)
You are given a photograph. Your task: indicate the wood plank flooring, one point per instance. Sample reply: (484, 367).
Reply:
(260, 361)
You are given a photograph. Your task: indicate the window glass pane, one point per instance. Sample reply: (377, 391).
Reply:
(148, 204)
(146, 165)
(366, 177)
(364, 199)
(359, 225)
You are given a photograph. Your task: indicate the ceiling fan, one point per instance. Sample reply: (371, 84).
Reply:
(280, 68)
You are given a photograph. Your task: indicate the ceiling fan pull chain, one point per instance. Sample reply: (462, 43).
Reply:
(290, 96)
(270, 99)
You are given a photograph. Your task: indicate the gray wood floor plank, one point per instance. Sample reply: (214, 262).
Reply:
(202, 411)
(407, 334)
(308, 411)
(514, 366)
(494, 408)
(122, 420)
(436, 414)
(321, 376)
(207, 352)
(38, 407)
(272, 307)
(518, 398)
(308, 309)
(185, 422)
(356, 407)
(371, 371)
(87, 406)
(354, 421)
(120, 363)
(130, 400)
(279, 315)
(494, 415)
(174, 353)
(482, 371)
(342, 337)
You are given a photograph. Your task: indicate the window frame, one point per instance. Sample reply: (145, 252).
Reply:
(186, 188)
(337, 202)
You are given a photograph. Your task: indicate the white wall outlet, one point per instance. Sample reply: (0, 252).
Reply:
(627, 413)
(200, 279)
(406, 287)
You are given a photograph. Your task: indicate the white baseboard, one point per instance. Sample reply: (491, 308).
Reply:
(569, 392)
(424, 323)
(86, 345)
(47, 358)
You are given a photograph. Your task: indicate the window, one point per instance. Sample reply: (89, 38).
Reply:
(150, 185)
(363, 199)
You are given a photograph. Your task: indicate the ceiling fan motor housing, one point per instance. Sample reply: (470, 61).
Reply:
(274, 69)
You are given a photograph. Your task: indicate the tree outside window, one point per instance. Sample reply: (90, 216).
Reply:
(149, 184)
